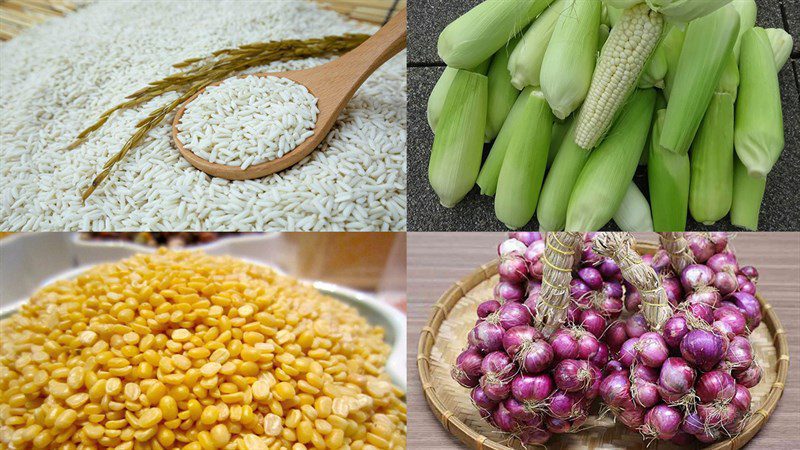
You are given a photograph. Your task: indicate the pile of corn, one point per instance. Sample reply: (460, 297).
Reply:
(183, 350)
(594, 88)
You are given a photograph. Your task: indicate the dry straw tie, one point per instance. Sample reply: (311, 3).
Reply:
(678, 250)
(558, 259)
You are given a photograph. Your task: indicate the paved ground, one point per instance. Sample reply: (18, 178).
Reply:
(781, 208)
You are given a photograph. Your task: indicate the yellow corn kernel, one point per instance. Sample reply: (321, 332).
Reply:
(209, 415)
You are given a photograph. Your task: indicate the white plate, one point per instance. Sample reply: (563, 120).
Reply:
(53, 251)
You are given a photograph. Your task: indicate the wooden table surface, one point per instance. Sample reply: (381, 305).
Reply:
(436, 260)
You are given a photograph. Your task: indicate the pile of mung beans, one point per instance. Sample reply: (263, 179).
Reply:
(195, 352)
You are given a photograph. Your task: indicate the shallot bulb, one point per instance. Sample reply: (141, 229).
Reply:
(725, 283)
(532, 390)
(467, 369)
(627, 353)
(488, 307)
(715, 387)
(610, 307)
(739, 355)
(514, 314)
(730, 320)
(672, 286)
(636, 325)
(566, 405)
(695, 276)
(715, 415)
(706, 295)
(533, 436)
(575, 375)
(675, 328)
(513, 268)
(498, 365)
(486, 337)
(610, 270)
(645, 394)
(632, 416)
(537, 357)
(509, 292)
(701, 247)
(615, 336)
(615, 389)
(481, 401)
(533, 256)
(580, 292)
(723, 262)
(720, 240)
(633, 299)
(565, 344)
(511, 247)
(703, 349)
(518, 337)
(526, 237)
(592, 277)
(592, 321)
(652, 350)
(750, 306)
(662, 422)
(693, 424)
(675, 379)
(700, 311)
(742, 399)
(518, 410)
(748, 287)
(502, 419)
(660, 262)
(600, 359)
(750, 377)
(750, 272)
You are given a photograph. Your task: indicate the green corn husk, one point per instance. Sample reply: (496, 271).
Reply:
(570, 58)
(686, 10)
(487, 179)
(747, 10)
(523, 168)
(759, 118)
(483, 30)
(560, 130)
(502, 94)
(668, 176)
(621, 5)
(604, 179)
(656, 70)
(748, 194)
(634, 212)
(602, 35)
(458, 144)
(525, 63)
(672, 44)
(709, 40)
(782, 44)
(554, 199)
(711, 190)
(439, 92)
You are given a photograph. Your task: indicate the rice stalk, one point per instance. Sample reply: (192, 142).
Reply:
(203, 72)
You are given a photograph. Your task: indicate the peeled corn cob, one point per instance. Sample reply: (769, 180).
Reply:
(483, 30)
(709, 41)
(570, 57)
(759, 118)
(621, 62)
(604, 179)
(523, 168)
(668, 176)
(458, 143)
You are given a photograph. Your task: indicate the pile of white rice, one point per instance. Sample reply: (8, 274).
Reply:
(250, 120)
(58, 77)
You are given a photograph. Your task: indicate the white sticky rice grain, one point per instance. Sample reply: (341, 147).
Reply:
(58, 77)
(247, 121)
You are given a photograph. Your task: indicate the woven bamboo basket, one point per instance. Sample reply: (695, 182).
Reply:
(444, 337)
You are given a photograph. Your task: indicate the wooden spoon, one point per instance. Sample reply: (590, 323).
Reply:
(333, 84)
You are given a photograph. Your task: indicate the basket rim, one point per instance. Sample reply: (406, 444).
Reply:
(475, 440)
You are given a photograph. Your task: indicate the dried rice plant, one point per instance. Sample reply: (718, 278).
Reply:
(559, 258)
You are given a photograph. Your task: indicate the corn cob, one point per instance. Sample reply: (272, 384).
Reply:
(554, 199)
(621, 62)
(748, 193)
(458, 143)
(604, 179)
(570, 57)
(560, 130)
(668, 177)
(525, 64)
(487, 179)
(439, 92)
(523, 168)
(483, 30)
(759, 118)
(502, 94)
(686, 10)
(672, 44)
(633, 213)
(709, 41)
(711, 190)
(782, 44)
